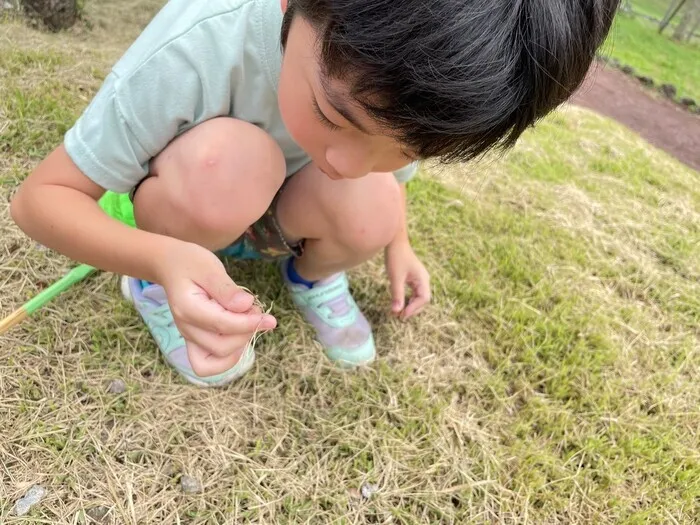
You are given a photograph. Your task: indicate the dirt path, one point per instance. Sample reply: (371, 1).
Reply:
(612, 93)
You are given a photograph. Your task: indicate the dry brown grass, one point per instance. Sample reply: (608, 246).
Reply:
(554, 380)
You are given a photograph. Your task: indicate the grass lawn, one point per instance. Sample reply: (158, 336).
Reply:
(636, 42)
(655, 8)
(554, 380)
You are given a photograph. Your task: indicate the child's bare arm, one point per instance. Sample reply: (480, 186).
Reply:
(404, 268)
(57, 206)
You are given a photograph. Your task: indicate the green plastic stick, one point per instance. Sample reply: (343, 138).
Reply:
(115, 205)
(75, 275)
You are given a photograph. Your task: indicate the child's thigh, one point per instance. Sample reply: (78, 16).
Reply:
(218, 164)
(312, 205)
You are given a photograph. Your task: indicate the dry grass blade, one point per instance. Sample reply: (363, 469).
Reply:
(554, 380)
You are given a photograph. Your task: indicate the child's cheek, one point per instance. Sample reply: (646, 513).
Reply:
(299, 119)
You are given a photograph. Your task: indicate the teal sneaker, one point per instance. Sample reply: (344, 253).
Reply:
(152, 304)
(340, 326)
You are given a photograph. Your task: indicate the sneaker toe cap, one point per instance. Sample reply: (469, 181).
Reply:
(350, 357)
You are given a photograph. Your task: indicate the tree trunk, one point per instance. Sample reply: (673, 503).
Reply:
(687, 24)
(672, 11)
(56, 14)
(694, 28)
(695, 22)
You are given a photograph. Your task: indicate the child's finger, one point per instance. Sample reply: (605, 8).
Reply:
(398, 295)
(206, 364)
(217, 344)
(419, 300)
(221, 288)
(414, 308)
(209, 315)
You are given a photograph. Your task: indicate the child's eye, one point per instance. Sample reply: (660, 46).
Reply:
(409, 155)
(323, 118)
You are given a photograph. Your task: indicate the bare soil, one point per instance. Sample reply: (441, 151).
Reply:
(660, 121)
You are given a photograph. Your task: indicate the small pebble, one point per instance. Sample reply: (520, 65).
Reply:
(98, 513)
(354, 493)
(31, 498)
(367, 490)
(117, 386)
(190, 485)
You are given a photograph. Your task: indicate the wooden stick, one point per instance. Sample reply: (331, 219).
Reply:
(13, 320)
(115, 205)
(75, 275)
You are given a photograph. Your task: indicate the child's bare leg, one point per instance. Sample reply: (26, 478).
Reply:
(206, 187)
(344, 222)
(211, 183)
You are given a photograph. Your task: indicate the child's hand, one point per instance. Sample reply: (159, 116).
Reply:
(214, 315)
(404, 268)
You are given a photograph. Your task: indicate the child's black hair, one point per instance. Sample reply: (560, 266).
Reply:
(456, 78)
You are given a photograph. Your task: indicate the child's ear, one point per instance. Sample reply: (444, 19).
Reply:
(284, 4)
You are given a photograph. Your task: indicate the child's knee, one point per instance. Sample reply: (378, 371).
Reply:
(223, 174)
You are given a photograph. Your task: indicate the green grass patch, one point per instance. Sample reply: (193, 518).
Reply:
(636, 42)
(653, 8)
(553, 380)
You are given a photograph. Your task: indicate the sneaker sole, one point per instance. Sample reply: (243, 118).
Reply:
(368, 349)
(245, 367)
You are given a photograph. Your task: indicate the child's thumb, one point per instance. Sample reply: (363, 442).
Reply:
(223, 290)
(398, 295)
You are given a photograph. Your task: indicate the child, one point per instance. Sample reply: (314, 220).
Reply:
(232, 142)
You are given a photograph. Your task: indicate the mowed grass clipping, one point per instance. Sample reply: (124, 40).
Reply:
(636, 42)
(553, 380)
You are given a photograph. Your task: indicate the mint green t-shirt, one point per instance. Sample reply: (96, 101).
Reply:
(196, 60)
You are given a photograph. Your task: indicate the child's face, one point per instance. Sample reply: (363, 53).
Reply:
(341, 139)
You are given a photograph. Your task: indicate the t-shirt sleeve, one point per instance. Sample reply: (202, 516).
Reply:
(406, 173)
(132, 119)
(161, 87)
(103, 145)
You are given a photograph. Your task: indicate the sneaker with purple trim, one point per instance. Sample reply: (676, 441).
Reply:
(152, 304)
(340, 326)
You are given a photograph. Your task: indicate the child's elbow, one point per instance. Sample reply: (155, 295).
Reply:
(20, 208)
(17, 208)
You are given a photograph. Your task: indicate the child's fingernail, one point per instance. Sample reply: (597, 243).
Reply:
(240, 298)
